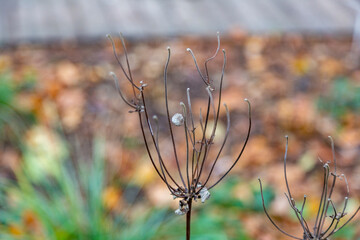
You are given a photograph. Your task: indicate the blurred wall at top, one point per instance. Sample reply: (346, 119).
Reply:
(48, 20)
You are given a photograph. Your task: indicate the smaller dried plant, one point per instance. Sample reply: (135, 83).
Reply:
(194, 182)
(320, 230)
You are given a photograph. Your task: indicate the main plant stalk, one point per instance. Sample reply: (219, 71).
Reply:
(188, 220)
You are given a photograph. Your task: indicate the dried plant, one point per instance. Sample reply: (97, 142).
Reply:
(193, 183)
(320, 230)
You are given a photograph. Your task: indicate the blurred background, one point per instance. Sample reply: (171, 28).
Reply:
(72, 161)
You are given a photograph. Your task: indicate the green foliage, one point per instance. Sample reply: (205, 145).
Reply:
(67, 206)
(344, 97)
(269, 196)
(7, 90)
(146, 226)
(223, 196)
(207, 224)
(131, 143)
(13, 121)
(346, 233)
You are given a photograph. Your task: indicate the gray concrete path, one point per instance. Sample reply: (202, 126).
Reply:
(46, 20)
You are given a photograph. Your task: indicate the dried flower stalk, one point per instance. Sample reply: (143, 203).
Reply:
(193, 183)
(319, 231)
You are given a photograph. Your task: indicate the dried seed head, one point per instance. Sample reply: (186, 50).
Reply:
(204, 194)
(177, 119)
(200, 145)
(179, 212)
(320, 223)
(183, 208)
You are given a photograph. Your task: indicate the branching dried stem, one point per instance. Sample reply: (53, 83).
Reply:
(319, 230)
(193, 184)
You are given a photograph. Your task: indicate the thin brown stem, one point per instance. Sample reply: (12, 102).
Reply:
(221, 148)
(333, 219)
(203, 139)
(154, 141)
(352, 216)
(268, 216)
(216, 113)
(121, 66)
(188, 219)
(325, 201)
(168, 118)
(119, 91)
(242, 149)
(127, 61)
(211, 58)
(192, 134)
(197, 66)
(187, 144)
(285, 174)
(210, 141)
(323, 196)
(148, 149)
